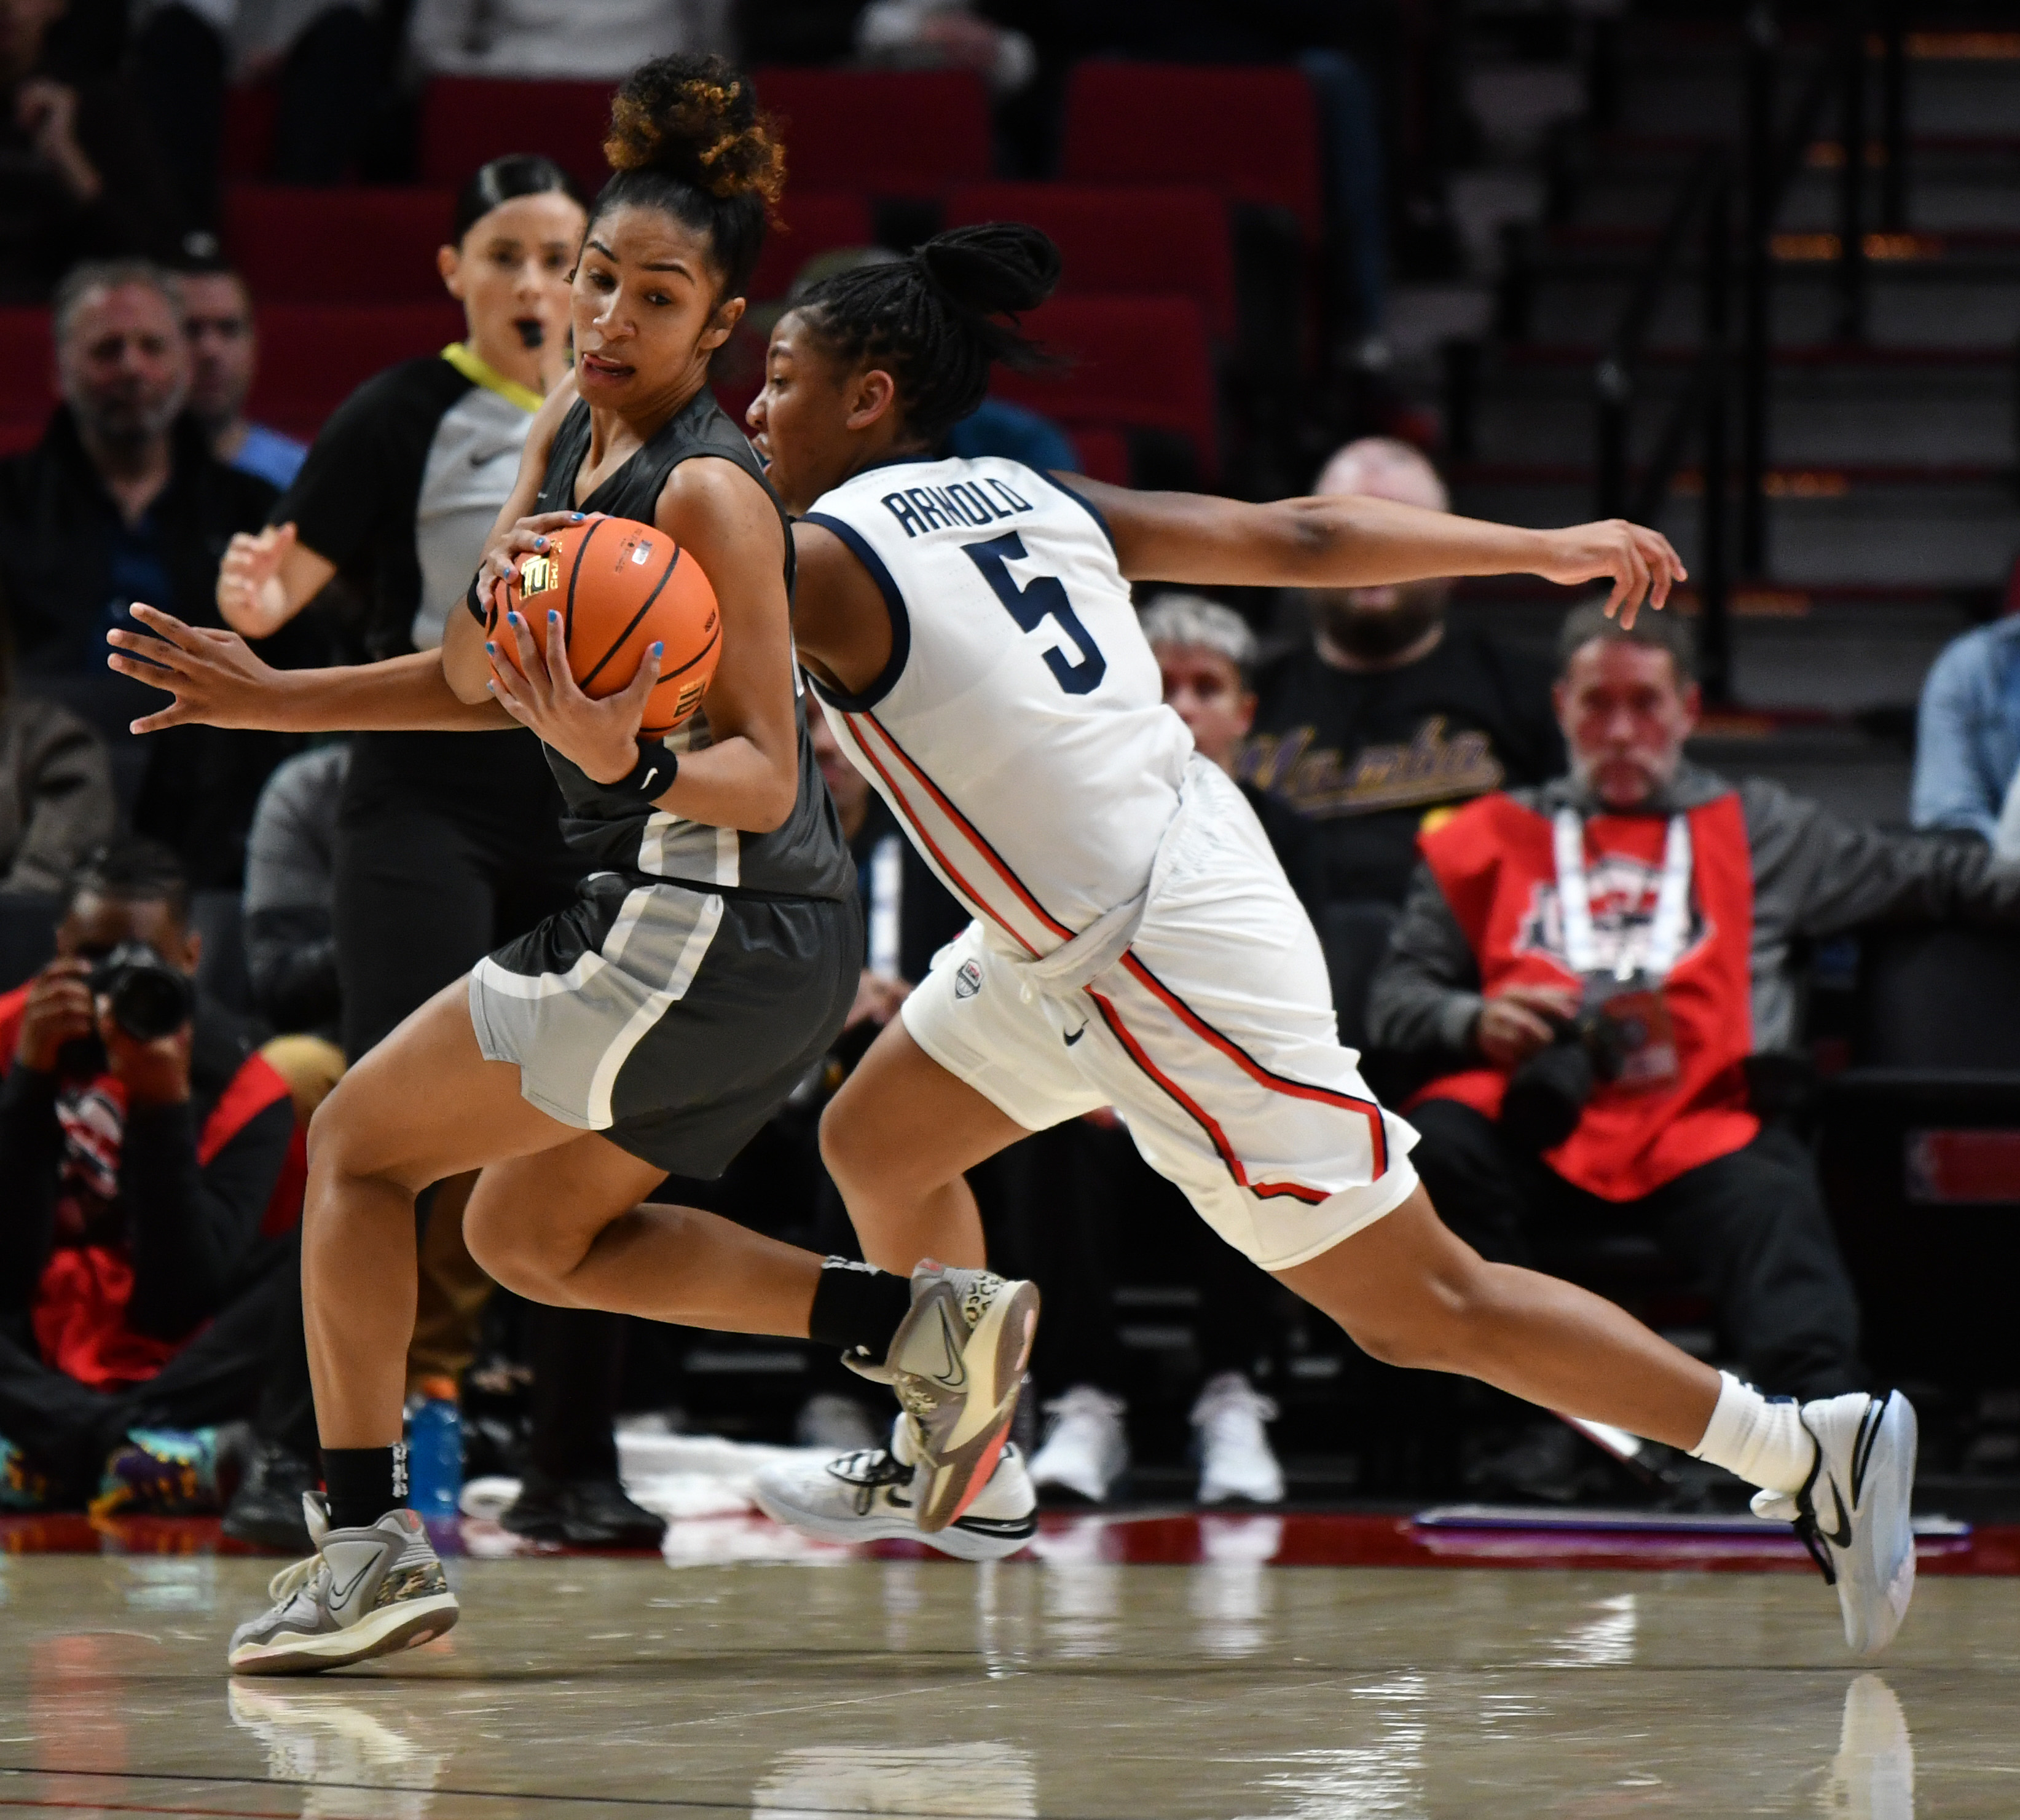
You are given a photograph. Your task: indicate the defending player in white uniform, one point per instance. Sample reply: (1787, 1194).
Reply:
(1195, 999)
(1135, 944)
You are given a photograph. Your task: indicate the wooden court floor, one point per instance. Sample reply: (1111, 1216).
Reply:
(1077, 1684)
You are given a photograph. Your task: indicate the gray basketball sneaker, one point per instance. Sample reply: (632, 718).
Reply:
(956, 1362)
(363, 1592)
(866, 1496)
(1852, 1512)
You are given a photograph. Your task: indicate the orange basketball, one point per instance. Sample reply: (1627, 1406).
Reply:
(619, 585)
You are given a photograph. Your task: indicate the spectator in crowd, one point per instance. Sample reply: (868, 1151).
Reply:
(1206, 654)
(326, 59)
(217, 318)
(80, 175)
(1390, 717)
(942, 35)
(537, 39)
(144, 1147)
(55, 790)
(122, 500)
(1968, 733)
(1650, 905)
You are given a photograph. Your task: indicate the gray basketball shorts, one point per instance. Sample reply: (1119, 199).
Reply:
(673, 1019)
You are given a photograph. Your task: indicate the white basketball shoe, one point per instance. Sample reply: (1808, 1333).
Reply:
(1086, 1447)
(364, 1592)
(1236, 1459)
(866, 1496)
(1852, 1512)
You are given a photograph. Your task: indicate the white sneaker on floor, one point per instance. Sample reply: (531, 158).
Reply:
(1236, 1459)
(364, 1592)
(1853, 1512)
(866, 1496)
(1086, 1448)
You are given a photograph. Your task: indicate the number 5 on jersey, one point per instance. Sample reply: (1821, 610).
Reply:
(1043, 598)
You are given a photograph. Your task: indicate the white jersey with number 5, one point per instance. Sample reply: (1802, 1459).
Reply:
(1018, 732)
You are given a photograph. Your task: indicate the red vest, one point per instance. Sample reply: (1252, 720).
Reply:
(80, 1307)
(1495, 863)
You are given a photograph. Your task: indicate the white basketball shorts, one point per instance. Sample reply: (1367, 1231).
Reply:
(1214, 1038)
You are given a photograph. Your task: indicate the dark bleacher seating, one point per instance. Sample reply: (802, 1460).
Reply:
(28, 361)
(219, 918)
(1124, 240)
(1354, 937)
(467, 121)
(1250, 132)
(337, 246)
(1919, 1149)
(313, 356)
(888, 133)
(1140, 363)
(250, 109)
(811, 221)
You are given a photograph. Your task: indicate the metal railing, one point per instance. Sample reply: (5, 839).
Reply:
(1697, 242)
(1700, 221)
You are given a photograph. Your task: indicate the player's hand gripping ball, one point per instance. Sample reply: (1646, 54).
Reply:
(619, 586)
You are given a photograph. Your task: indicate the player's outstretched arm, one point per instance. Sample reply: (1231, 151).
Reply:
(1349, 541)
(214, 679)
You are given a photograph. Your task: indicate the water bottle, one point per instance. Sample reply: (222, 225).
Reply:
(435, 1450)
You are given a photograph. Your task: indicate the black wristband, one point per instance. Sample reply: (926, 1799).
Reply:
(474, 600)
(650, 777)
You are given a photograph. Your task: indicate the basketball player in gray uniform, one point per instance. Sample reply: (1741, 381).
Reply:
(707, 961)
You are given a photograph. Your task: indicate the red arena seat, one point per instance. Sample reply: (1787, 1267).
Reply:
(1139, 362)
(28, 359)
(337, 246)
(811, 221)
(1251, 133)
(891, 132)
(467, 121)
(313, 356)
(1123, 240)
(1103, 452)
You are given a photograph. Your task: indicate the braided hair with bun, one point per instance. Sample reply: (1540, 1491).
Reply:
(687, 137)
(934, 319)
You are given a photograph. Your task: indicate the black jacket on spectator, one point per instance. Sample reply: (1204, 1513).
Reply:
(176, 1194)
(1346, 766)
(62, 587)
(45, 230)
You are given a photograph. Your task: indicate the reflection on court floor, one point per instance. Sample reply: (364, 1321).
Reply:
(1081, 1681)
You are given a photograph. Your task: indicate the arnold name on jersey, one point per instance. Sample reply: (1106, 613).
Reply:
(962, 503)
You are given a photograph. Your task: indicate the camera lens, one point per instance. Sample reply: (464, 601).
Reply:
(149, 1002)
(148, 998)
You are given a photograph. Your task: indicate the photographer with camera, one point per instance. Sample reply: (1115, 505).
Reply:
(144, 1149)
(1601, 967)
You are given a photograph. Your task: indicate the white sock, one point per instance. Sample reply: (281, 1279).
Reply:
(1759, 1439)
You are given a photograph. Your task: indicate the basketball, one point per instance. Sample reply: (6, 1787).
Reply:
(620, 586)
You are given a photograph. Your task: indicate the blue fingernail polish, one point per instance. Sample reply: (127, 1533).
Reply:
(490, 648)
(553, 618)
(539, 543)
(659, 650)
(577, 518)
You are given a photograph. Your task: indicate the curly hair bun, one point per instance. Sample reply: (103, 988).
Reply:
(697, 119)
(999, 268)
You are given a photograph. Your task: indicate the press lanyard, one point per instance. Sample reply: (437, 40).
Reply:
(1665, 931)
